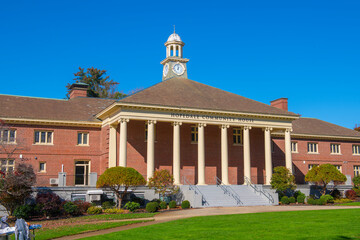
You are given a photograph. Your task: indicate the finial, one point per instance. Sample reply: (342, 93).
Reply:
(174, 28)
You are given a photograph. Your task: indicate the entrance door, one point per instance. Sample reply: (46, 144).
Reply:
(82, 172)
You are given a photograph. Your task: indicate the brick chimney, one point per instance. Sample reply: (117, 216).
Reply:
(281, 103)
(78, 90)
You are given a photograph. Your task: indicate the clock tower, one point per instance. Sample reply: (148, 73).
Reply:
(174, 63)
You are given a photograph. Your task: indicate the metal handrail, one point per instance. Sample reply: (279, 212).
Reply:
(196, 190)
(228, 190)
(266, 194)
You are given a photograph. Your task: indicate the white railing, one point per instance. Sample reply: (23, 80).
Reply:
(228, 190)
(261, 191)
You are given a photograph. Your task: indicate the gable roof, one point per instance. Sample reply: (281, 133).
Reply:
(313, 126)
(77, 109)
(181, 92)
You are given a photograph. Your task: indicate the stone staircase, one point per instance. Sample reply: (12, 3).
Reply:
(228, 196)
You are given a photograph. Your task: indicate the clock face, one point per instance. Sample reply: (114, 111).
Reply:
(178, 69)
(166, 69)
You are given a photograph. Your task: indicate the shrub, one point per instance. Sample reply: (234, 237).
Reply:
(108, 204)
(83, 206)
(300, 198)
(311, 201)
(292, 200)
(172, 204)
(350, 194)
(357, 191)
(336, 194)
(285, 200)
(356, 181)
(152, 207)
(23, 211)
(156, 200)
(163, 205)
(328, 198)
(50, 203)
(94, 210)
(342, 200)
(132, 206)
(138, 200)
(113, 210)
(185, 204)
(72, 209)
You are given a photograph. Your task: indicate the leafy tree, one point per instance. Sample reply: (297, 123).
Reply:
(282, 179)
(100, 86)
(119, 180)
(15, 186)
(356, 181)
(163, 183)
(323, 175)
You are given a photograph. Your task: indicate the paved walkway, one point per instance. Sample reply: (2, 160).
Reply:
(175, 215)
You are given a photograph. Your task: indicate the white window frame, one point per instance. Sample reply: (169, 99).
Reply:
(7, 165)
(8, 137)
(87, 167)
(356, 170)
(335, 148)
(194, 134)
(42, 171)
(237, 136)
(294, 147)
(310, 166)
(356, 149)
(82, 139)
(313, 144)
(46, 137)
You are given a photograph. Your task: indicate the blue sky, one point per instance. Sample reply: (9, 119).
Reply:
(307, 51)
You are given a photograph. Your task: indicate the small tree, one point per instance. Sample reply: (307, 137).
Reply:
(282, 180)
(15, 187)
(356, 181)
(119, 180)
(163, 183)
(323, 175)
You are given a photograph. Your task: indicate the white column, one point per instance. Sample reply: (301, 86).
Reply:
(176, 152)
(112, 146)
(288, 160)
(123, 142)
(201, 154)
(180, 51)
(224, 155)
(268, 161)
(150, 148)
(247, 164)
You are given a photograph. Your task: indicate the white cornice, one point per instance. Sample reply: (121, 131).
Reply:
(28, 121)
(314, 136)
(106, 112)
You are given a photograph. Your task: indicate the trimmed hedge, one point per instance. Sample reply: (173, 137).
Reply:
(292, 200)
(185, 204)
(152, 207)
(94, 210)
(301, 198)
(172, 204)
(163, 205)
(132, 206)
(285, 200)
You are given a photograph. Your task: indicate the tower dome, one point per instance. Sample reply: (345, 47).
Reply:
(174, 38)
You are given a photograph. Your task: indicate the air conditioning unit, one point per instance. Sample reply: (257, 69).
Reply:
(95, 198)
(54, 181)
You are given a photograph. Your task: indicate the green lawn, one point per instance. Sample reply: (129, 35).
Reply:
(349, 204)
(322, 224)
(119, 216)
(43, 234)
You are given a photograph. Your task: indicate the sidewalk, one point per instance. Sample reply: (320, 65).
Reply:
(175, 215)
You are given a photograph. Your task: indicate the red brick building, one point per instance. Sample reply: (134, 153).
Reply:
(196, 131)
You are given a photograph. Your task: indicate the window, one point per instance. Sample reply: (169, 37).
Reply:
(294, 148)
(43, 137)
(335, 148)
(194, 134)
(7, 136)
(42, 167)
(7, 165)
(338, 167)
(312, 165)
(356, 149)
(83, 138)
(237, 136)
(356, 171)
(82, 170)
(312, 147)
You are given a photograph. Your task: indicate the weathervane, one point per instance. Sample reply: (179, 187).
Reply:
(174, 28)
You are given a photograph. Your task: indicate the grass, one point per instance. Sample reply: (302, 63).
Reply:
(322, 224)
(119, 216)
(349, 204)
